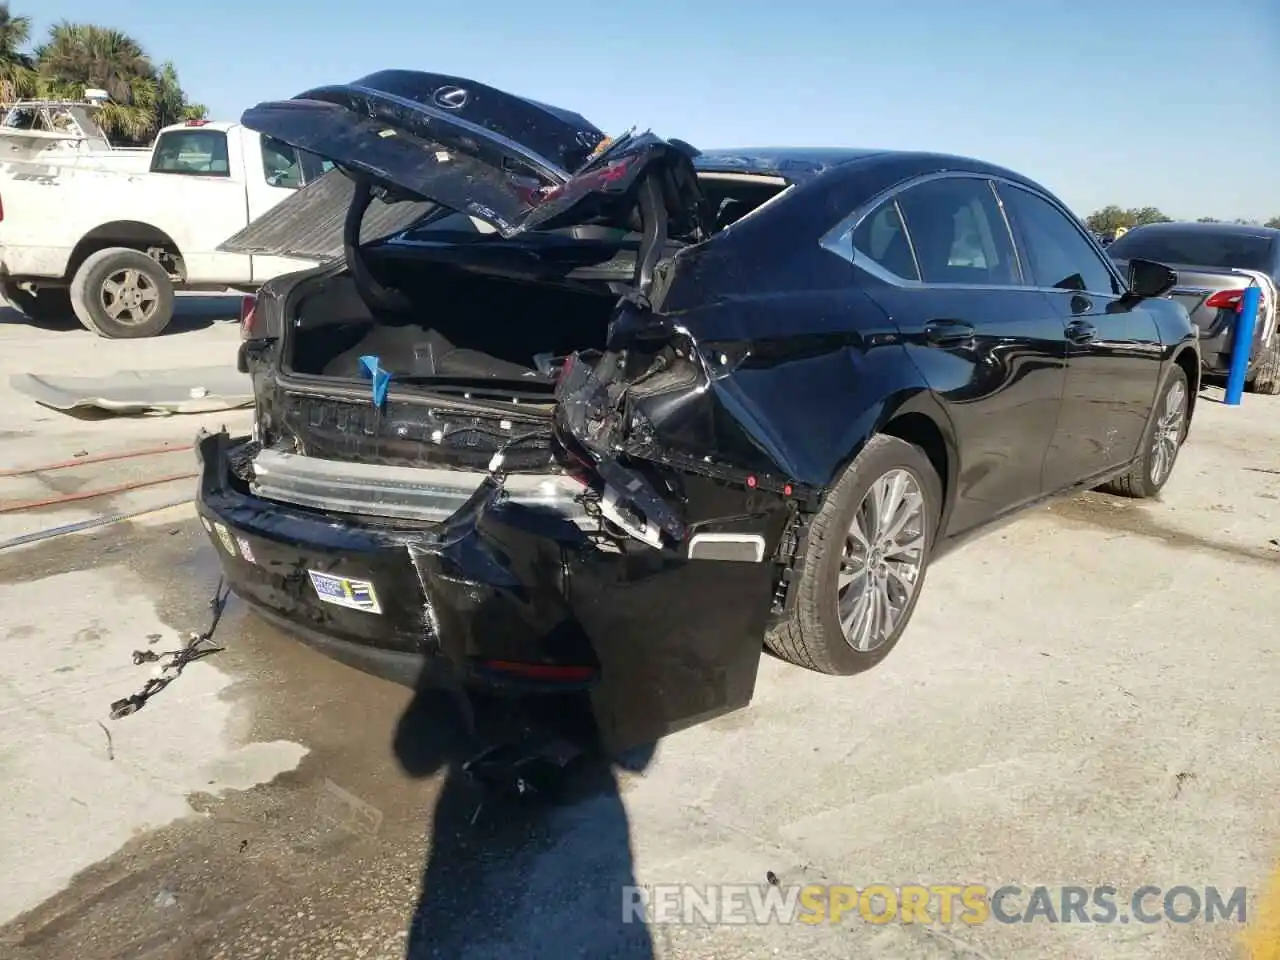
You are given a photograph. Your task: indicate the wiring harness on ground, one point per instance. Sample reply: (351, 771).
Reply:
(199, 646)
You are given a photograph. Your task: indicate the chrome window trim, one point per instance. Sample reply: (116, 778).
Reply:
(1090, 241)
(839, 238)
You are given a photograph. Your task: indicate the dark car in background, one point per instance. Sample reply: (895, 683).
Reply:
(1216, 262)
(575, 412)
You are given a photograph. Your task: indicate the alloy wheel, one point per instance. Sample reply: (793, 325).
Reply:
(881, 561)
(129, 296)
(1168, 433)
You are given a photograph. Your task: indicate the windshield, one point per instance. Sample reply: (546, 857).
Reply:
(1201, 248)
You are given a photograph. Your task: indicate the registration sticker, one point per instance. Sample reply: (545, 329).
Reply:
(224, 535)
(345, 592)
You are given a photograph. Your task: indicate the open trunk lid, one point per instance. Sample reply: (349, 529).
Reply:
(428, 138)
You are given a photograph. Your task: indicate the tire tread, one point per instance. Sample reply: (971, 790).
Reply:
(1135, 484)
(1266, 379)
(80, 300)
(798, 639)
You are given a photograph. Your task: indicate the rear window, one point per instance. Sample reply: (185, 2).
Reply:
(1198, 248)
(729, 197)
(286, 166)
(194, 153)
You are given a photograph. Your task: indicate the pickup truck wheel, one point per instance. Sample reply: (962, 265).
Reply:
(1160, 444)
(864, 563)
(121, 294)
(47, 305)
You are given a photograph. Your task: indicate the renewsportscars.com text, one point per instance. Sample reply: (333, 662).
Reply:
(936, 903)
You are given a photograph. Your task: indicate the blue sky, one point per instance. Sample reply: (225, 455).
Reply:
(1135, 103)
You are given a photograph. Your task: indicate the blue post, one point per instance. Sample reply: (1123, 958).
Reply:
(1242, 345)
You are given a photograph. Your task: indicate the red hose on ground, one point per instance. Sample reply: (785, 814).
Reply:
(91, 494)
(100, 458)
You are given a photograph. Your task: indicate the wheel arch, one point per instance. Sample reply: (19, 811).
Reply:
(131, 234)
(915, 416)
(1189, 360)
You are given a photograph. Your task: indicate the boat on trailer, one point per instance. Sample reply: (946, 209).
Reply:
(43, 133)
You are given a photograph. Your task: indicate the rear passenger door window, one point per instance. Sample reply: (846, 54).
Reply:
(1056, 253)
(881, 238)
(958, 233)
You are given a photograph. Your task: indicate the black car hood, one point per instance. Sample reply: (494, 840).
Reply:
(508, 161)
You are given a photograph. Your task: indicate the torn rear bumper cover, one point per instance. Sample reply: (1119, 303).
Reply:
(505, 591)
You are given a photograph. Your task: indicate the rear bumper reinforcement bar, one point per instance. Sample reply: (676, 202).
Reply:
(403, 493)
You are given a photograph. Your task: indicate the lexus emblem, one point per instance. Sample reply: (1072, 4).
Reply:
(450, 98)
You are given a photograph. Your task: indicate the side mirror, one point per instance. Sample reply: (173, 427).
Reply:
(1149, 279)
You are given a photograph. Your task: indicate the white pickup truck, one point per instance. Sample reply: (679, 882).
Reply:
(112, 246)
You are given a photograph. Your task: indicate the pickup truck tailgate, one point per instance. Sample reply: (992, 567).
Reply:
(308, 225)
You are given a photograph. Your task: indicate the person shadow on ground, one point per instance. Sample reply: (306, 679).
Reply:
(539, 875)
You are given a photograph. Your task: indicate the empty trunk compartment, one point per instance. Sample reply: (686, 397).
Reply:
(457, 327)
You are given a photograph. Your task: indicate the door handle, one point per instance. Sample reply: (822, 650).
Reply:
(948, 333)
(1081, 331)
(1081, 304)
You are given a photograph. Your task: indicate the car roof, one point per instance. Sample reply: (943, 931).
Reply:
(798, 164)
(793, 162)
(1227, 229)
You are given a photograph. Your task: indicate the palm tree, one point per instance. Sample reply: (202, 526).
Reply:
(78, 55)
(171, 104)
(17, 73)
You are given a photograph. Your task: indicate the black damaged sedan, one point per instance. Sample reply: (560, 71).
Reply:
(564, 411)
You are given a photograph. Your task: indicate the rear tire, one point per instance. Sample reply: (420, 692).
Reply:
(120, 294)
(47, 305)
(1160, 444)
(813, 636)
(1266, 378)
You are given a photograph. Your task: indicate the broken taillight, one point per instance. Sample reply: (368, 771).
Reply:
(248, 311)
(565, 369)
